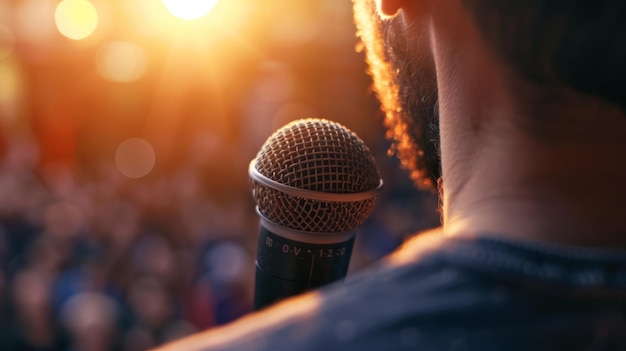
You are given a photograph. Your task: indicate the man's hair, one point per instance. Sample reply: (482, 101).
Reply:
(571, 44)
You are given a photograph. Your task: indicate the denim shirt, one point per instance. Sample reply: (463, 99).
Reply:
(440, 293)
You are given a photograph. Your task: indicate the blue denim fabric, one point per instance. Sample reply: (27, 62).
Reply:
(454, 294)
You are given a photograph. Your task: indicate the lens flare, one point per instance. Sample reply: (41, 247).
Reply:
(135, 158)
(121, 61)
(189, 9)
(76, 19)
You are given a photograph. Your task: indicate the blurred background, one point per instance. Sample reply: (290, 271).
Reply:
(126, 129)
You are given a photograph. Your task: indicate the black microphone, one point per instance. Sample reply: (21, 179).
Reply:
(314, 182)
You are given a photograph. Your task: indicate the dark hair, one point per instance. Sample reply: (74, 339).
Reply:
(572, 44)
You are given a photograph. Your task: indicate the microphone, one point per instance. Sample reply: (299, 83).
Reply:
(314, 182)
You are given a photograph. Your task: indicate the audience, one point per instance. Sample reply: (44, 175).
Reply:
(109, 263)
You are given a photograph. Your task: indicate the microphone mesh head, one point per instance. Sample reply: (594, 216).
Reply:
(320, 156)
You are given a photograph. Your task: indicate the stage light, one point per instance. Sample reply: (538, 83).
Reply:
(189, 9)
(135, 158)
(121, 61)
(76, 19)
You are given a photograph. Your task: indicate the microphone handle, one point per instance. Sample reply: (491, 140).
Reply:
(286, 267)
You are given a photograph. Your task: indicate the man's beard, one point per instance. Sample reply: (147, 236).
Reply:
(405, 82)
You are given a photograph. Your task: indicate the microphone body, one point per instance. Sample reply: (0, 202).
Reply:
(314, 183)
(287, 267)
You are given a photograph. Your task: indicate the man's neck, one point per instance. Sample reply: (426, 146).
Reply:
(553, 173)
(574, 197)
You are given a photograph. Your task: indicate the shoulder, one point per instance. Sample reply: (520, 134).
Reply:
(381, 307)
(445, 294)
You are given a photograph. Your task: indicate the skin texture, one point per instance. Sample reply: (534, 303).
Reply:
(506, 172)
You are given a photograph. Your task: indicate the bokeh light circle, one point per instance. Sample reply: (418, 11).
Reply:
(121, 61)
(135, 158)
(189, 9)
(76, 19)
(34, 20)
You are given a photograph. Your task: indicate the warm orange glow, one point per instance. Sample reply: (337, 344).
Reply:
(189, 9)
(34, 20)
(7, 41)
(135, 158)
(76, 19)
(121, 61)
(10, 89)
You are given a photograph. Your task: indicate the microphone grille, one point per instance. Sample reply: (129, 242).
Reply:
(320, 156)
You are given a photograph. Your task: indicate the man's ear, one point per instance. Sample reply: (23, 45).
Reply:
(389, 7)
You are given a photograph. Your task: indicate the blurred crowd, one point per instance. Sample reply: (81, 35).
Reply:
(112, 263)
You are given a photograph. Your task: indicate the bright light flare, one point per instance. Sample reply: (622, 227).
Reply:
(135, 158)
(189, 9)
(76, 19)
(121, 61)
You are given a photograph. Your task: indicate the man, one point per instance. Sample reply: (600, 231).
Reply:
(529, 100)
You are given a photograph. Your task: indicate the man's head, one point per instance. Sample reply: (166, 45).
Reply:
(515, 104)
(551, 47)
(559, 44)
